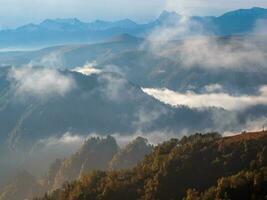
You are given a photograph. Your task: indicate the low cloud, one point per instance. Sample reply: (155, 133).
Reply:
(66, 139)
(146, 116)
(154, 137)
(70, 143)
(57, 147)
(224, 120)
(113, 69)
(53, 59)
(88, 69)
(195, 100)
(211, 53)
(252, 125)
(63, 146)
(256, 124)
(116, 88)
(213, 88)
(40, 82)
(172, 28)
(199, 48)
(113, 87)
(260, 27)
(47, 150)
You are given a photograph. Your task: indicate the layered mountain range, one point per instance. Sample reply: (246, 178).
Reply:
(50, 31)
(168, 78)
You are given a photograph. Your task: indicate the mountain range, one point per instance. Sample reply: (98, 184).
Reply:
(165, 68)
(103, 83)
(119, 69)
(104, 103)
(69, 31)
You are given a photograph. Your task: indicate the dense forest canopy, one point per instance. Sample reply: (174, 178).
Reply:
(201, 166)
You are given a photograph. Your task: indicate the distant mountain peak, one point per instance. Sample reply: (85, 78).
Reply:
(53, 32)
(67, 21)
(167, 15)
(126, 21)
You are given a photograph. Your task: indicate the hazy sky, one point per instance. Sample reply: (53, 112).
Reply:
(16, 12)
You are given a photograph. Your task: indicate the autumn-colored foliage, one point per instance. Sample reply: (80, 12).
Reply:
(199, 161)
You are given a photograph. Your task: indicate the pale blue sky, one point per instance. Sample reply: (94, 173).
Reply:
(17, 12)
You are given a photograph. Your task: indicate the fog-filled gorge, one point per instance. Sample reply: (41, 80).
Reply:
(108, 95)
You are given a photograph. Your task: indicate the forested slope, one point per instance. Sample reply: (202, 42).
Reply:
(197, 161)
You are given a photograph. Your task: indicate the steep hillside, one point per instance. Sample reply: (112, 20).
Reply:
(95, 154)
(64, 101)
(90, 101)
(175, 166)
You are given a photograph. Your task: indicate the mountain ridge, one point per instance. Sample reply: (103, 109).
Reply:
(197, 161)
(49, 32)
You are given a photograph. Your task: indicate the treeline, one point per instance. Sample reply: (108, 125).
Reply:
(199, 162)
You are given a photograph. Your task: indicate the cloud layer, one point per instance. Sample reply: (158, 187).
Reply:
(212, 53)
(199, 49)
(40, 82)
(222, 100)
(87, 69)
